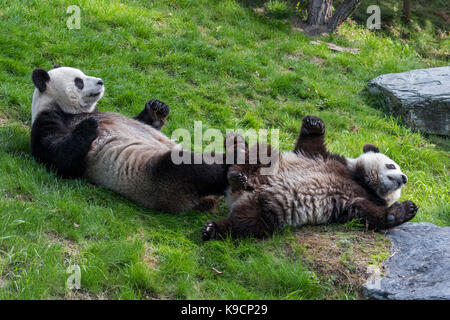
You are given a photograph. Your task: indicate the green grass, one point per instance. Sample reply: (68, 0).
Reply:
(214, 61)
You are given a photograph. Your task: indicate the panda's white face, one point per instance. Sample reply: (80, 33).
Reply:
(72, 90)
(380, 173)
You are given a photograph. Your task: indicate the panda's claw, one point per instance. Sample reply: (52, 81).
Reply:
(158, 108)
(313, 125)
(410, 210)
(237, 180)
(401, 212)
(209, 231)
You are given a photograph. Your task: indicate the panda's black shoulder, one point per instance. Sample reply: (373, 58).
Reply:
(49, 119)
(47, 124)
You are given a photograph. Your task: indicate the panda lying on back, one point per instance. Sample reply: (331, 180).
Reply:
(129, 156)
(312, 186)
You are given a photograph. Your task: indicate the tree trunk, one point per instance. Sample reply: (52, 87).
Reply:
(406, 10)
(319, 11)
(342, 13)
(321, 17)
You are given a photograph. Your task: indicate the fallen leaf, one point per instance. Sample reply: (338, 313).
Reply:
(217, 271)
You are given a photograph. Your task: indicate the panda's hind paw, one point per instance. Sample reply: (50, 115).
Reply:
(410, 210)
(237, 180)
(209, 231)
(313, 125)
(158, 108)
(401, 212)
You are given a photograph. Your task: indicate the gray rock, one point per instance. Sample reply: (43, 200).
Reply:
(419, 266)
(421, 98)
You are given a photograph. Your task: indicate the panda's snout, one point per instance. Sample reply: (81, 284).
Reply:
(404, 179)
(400, 179)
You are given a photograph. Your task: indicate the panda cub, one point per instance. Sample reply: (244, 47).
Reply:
(312, 186)
(129, 156)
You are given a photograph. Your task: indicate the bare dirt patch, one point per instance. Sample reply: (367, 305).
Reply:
(3, 120)
(71, 248)
(20, 195)
(347, 258)
(295, 55)
(318, 61)
(83, 295)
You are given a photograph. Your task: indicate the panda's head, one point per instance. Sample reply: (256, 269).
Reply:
(69, 88)
(379, 172)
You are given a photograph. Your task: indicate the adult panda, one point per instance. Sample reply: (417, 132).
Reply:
(312, 186)
(129, 156)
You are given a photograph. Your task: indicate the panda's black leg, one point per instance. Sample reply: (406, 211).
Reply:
(311, 140)
(154, 114)
(55, 145)
(200, 178)
(73, 149)
(247, 219)
(379, 217)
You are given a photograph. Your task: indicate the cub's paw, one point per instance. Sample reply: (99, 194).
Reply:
(87, 129)
(313, 125)
(410, 209)
(159, 109)
(401, 212)
(209, 231)
(237, 180)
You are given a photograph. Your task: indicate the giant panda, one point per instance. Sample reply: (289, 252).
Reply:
(129, 156)
(312, 186)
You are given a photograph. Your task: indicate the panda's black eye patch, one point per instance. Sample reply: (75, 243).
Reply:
(79, 83)
(390, 166)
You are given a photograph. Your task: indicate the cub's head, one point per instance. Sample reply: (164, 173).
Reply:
(378, 172)
(69, 88)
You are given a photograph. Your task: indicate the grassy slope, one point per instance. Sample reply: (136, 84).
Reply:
(214, 61)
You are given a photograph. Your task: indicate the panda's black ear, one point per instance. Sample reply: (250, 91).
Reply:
(370, 147)
(56, 66)
(40, 77)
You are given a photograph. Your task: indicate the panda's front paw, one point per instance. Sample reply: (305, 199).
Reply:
(237, 180)
(410, 209)
(155, 113)
(313, 125)
(87, 130)
(401, 212)
(209, 231)
(158, 108)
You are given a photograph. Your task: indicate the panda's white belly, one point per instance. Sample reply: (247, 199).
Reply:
(305, 191)
(120, 156)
